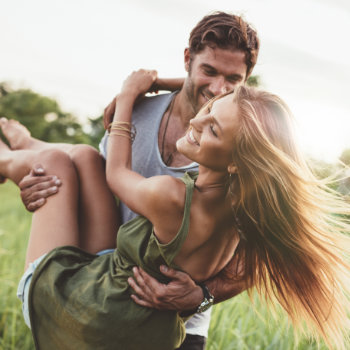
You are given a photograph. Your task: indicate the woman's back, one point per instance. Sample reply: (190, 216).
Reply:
(212, 236)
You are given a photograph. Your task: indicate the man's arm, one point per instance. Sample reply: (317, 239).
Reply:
(182, 293)
(227, 283)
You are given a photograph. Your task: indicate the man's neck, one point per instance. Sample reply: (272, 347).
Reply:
(183, 108)
(174, 124)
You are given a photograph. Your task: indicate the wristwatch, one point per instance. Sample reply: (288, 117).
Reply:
(208, 300)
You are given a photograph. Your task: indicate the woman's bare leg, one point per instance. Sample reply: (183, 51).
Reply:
(98, 213)
(56, 223)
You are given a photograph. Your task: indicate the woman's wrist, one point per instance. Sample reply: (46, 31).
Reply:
(127, 96)
(124, 107)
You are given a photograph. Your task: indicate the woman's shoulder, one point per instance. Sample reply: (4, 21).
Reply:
(167, 189)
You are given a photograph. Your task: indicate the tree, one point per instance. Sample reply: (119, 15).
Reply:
(41, 115)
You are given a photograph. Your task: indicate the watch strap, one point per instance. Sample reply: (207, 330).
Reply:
(206, 293)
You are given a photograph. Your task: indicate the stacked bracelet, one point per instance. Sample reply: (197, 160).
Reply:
(124, 129)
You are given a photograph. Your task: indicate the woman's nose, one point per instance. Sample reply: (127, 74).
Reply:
(199, 121)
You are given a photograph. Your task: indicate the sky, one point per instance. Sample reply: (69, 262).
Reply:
(80, 51)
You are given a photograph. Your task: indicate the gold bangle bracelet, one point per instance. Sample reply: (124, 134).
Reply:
(119, 134)
(122, 127)
(118, 123)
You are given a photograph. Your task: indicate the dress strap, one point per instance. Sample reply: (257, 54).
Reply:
(170, 250)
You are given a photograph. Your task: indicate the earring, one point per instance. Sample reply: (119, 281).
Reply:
(230, 183)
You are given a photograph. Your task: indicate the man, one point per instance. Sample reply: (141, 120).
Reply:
(222, 52)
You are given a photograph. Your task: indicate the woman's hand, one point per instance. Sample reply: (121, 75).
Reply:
(139, 82)
(166, 84)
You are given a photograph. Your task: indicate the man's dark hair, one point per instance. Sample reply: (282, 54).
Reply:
(226, 31)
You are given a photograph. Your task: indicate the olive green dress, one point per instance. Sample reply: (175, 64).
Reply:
(82, 301)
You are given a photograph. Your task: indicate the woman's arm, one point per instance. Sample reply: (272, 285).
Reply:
(157, 197)
(120, 178)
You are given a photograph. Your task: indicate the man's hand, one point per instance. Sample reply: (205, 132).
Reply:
(108, 113)
(180, 294)
(36, 187)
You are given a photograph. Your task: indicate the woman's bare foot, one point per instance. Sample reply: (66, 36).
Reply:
(19, 138)
(4, 158)
(16, 134)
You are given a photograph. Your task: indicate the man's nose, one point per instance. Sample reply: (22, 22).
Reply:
(218, 86)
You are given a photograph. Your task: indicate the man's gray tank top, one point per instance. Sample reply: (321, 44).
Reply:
(147, 161)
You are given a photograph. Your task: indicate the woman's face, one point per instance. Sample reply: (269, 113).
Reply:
(209, 139)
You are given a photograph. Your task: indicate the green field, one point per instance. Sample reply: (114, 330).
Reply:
(234, 325)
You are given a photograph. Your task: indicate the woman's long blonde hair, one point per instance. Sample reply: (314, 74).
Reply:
(294, 226)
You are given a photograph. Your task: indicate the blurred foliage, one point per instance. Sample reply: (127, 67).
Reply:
(322, 169)
(337, 174)
(344, 186)
(345, 157)
(45, 119)
(96, 130)
(254, 80)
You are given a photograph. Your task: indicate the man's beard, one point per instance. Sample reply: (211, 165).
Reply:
(193, 94)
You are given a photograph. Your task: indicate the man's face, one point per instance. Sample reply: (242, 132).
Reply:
(211, 72)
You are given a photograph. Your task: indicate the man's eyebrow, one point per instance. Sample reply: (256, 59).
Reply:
(237, 77)
(208, 66)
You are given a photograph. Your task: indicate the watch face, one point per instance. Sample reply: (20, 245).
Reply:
(205, 305)
(208, 300)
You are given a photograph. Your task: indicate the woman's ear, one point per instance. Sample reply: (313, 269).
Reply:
(187, 59)
(232, 169)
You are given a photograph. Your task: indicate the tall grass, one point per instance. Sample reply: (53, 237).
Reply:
(237, 324)
(234, 324)
(14, 231)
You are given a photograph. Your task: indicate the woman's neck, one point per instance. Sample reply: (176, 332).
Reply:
(212, 184)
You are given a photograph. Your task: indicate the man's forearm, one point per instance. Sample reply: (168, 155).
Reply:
(228, 282)
(182, 293)
(223, 288)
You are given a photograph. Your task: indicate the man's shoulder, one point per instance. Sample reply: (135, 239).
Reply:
(151, 108)
(154, 100)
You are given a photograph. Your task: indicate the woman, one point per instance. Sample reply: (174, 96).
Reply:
(253, 196)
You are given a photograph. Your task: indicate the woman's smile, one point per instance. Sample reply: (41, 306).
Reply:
(190, 138)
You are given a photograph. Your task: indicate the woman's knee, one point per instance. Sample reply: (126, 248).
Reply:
(85, 156)
(55, 162)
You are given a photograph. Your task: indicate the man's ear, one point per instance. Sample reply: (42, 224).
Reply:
(232, 169)
(187, 59)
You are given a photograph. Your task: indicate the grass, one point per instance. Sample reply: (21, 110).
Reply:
(14, 232)
(234, 324)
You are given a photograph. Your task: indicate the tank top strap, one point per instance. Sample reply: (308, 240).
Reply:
(170, 250)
